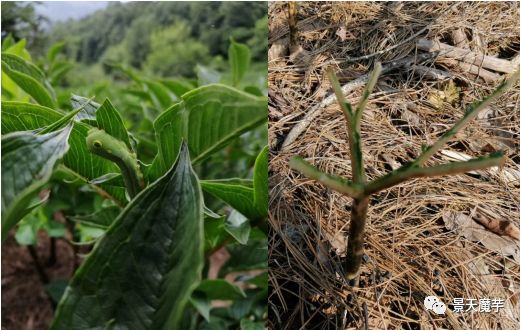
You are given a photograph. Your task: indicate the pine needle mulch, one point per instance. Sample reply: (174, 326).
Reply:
(422, 237)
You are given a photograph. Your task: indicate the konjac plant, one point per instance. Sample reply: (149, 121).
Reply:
(361, 190)
(147, 207)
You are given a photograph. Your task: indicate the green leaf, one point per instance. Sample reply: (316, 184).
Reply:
(8, 42)
(29, 78)
(56, 289)
(251, 202)
(89, 110)
(27, 230)
(220, 290)
(102, 218)
(84, 165)
(202, 304)
(208, 118)
(252, 256)
(260, 183)
(239, 57)
(238, 226)
(28, 161)
(142, 272)
(109, 119)
(159, 94)
(58, 71)
(247, 324)
(206, 75)
(260, 280)
(214, 233)
(54, 51)
(18, 49)
(177, 87)
(237, 195)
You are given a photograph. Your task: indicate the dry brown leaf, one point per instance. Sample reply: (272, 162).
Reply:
(500, 227)
(465, 226)
(278, 50)
(338, 242)
(342, 33)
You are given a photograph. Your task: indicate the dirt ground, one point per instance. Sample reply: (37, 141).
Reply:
(25, 302)
(426, 236)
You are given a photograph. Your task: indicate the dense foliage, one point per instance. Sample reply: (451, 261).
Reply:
(148, 173)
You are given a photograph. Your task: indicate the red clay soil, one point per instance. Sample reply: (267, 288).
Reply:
(25, 303)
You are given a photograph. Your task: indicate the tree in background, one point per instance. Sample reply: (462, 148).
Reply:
(174, 53)
(21, 21)
(211, 23)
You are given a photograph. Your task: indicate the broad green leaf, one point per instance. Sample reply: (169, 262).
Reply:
(18, 49)
(251, 202)
(214, 233)
(142, 272)
(260, 280)
(206, 75)
(102, 218)
(237, 195)
(252, 256)
(84, 165)
(28, 161)
(58, 71)
(177, 87)
(208, 118)
(253, 90)
(109, 119)
(89, 110)
(220, 289)
(29, 78)
(202, 304)
(159, 93)
(27, 230)
(260, 183)
(8, 42)
(54, 51)
(247, 324)
(239, 58)
(238, 226)
(56, 289)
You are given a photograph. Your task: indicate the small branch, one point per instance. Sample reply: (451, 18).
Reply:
(365, 95)
(430, 72)
(471, 113)
(466, 55)
(486, 75)
(411, 171)
(353, 135)
(334, 182)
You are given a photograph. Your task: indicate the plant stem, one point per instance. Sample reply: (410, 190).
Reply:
(410, 171)
(41, 272)
(52, 252)
(361, 191)
(334, 182)
(355, 242)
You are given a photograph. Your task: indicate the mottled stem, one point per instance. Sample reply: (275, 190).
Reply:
(361, 191)
(355, 243)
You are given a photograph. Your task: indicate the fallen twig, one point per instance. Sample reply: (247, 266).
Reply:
(486, 75)
(466, 55)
